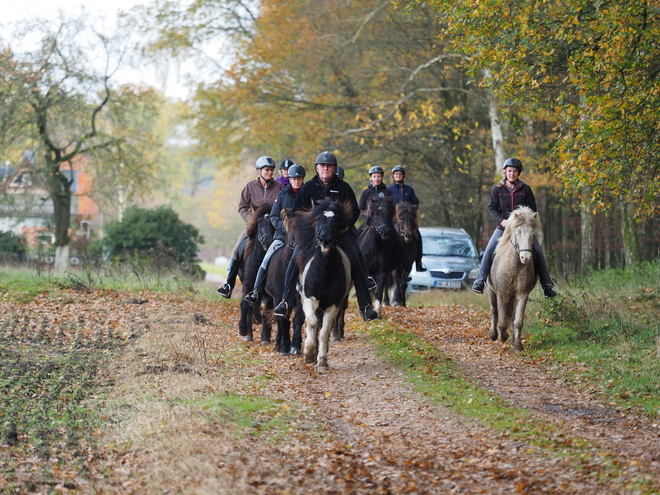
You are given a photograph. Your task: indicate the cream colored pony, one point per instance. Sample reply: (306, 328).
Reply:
(512, 276)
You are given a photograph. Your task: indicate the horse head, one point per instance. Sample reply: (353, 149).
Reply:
(406, 220)
(321, 225)
(380, 212)
(521, 230)
(260, 227)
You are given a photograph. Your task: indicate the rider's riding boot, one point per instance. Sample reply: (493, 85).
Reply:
(478, 286)
(419, 266)
(544, 275)
(232, 272)
(253, 297)
(282, 309)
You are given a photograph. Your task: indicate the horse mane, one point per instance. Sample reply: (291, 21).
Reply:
(374, 204)
(304, 221)
(521, 215)
(251, 228)
(411, 209)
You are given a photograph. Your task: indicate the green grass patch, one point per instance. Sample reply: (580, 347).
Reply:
(605, 328)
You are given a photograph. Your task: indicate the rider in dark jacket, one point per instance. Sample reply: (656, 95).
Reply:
(510, 193)
(326, 185)
(285, 200)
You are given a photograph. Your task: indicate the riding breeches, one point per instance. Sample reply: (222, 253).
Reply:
(274, 246)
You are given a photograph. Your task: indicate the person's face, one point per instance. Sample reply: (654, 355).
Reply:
(296, 182)
(267, 173)
(398, 176)
(325, 171)
(285, 172)
(377, 179)
(511, 174)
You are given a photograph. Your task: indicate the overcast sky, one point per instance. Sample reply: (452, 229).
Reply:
(13, 10)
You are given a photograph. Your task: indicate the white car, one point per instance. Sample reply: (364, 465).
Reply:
(450, 257)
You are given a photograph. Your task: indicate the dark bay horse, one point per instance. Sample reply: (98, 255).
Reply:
(512, 276)
(274, 289)
(377, 243)
(260, 232)
(408, 228)
(325, 273)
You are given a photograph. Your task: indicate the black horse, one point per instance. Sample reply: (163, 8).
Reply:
(325, 273)
(377, 242)
(260, 232)
(408, 228)
(274, 289)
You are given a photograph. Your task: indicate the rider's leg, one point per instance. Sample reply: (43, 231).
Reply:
(486, 262)
(232, 269)
(542, 269)
(253, 297)
(285, 306)
(419, 266)
(348, 242)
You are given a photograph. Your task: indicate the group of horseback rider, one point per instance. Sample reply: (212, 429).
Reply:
(289, 191)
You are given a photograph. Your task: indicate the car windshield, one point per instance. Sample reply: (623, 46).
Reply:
(448, 246)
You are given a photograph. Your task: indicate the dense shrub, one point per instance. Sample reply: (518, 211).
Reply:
(157, 235)
(12, 246)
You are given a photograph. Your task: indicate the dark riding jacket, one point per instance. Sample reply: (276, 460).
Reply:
(503, 200)
(371, 192)
(285, 199)
(337, 190)
(404, 194)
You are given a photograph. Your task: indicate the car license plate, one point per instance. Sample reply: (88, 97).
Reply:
(444, 284)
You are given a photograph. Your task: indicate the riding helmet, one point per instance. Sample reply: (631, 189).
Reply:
(340, 172)
(326, 157)
(296, 170)
(512, 162)
(376, 170)
(265, 161)
(286, 163)
(399, 168)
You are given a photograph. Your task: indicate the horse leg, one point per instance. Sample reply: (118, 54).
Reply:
(338, 327)
(283, 335)
(245, 322)
(266, 327)
(505, 310)
(494, 315)
(311, 323)
(518, 320)
(381, 281)
(298, 320)
(328, 319)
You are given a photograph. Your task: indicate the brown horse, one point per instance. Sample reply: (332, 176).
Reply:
(512, 276)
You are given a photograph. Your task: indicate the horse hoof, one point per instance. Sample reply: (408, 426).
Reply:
(295, 351)
(265, 342)
(248, 338)
(517, 348)
(242, 331)
(322, 368)
(334, 338)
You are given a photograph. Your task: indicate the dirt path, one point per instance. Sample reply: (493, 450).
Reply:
(358, 428)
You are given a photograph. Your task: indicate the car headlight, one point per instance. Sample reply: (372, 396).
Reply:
(474, 273)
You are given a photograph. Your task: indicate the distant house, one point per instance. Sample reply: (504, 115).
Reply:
(26, 208)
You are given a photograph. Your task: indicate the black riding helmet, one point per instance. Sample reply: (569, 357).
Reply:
(512, 162)
(340, 172)
(296, 170)
(286, 163)
(376, 170)
(265, 161)
(326, 157)
(399, 168)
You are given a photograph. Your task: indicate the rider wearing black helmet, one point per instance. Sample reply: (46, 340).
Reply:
(510, 193)
(284, 171)
(285, 200)
(326, 185)
(375, 189)
(261, 190)
(403, 193)
(340, 172)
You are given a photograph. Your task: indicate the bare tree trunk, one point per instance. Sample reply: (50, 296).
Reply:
(61, 196)
(631, 251)
(587, 240)
(495, 128)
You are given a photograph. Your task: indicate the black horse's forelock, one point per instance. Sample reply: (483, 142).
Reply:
(385, 204)
(407, 210)
(253, 223)
(304, 222)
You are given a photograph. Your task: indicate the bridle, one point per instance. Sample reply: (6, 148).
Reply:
(514, 242)
(264, 237)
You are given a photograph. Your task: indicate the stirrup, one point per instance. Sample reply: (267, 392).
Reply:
(225, 290)
(371, 283)
(252, 298)
(369, 313)
(478, 287)
(405, 277)
(282, 310)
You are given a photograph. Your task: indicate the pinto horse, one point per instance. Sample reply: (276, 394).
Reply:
(325, 273)
(377, 243)
(260, 232)
(512, 276)
(408, 228)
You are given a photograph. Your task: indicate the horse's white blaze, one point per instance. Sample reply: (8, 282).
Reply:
(329, 214)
